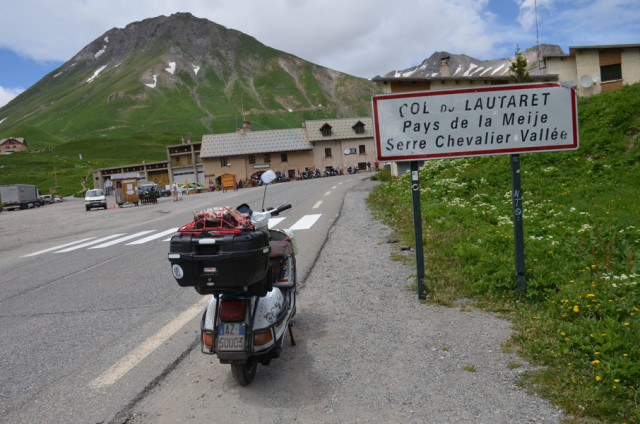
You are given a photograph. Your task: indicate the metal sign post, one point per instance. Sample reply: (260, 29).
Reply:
(417, 224)
(518, 233)
(484, 121)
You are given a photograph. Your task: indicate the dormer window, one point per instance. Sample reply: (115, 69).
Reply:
(358, 127)
(326, 130)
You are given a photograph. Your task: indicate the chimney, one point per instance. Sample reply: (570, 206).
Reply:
(445, 71)
(246, 127)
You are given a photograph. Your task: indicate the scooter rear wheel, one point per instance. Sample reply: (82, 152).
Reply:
(243, 374)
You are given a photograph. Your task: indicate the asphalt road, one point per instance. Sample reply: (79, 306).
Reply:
(90, 316)
(367, 352)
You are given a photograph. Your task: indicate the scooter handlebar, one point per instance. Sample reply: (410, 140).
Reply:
(281, 208)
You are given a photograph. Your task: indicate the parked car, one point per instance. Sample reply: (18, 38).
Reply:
(57, 198)
(164, 192)
(95, 199)
(47, 198)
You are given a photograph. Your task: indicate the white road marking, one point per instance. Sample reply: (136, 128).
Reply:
(327, 193)
(275, 221)
(305, 222)
(317, 205)
(57, 247)
(132, 359)
(90, 243)
(120, 240)
(154, 236)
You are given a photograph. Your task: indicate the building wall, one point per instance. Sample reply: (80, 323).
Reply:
(340, 159)
(588, 63)
(630, 65)
(564, 67)
(240, 166)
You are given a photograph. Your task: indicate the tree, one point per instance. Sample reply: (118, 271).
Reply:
(519, 71)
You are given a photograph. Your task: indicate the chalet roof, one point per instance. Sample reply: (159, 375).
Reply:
(252, 142)
(18, 139)
(341, 129)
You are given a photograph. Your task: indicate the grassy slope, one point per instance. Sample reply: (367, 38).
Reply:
(580, 314)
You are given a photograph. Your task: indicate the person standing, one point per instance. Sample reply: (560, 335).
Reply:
(174, 189)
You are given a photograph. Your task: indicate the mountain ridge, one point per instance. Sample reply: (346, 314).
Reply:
(461, 65)
(191, 76)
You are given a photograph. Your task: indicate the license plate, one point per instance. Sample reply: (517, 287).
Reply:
(231, 336)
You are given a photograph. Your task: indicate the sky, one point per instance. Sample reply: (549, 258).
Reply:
(364, 38)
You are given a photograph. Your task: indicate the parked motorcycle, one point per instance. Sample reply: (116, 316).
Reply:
(251, 272)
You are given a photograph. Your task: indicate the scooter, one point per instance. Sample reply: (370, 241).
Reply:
(248, 315)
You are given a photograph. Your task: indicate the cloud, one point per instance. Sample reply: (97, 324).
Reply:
(360, 37)
(8, 94)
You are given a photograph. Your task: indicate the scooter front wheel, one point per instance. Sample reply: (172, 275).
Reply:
(244, 373)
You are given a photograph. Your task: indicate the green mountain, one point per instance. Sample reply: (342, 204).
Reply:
(132, 91)
(178, 75)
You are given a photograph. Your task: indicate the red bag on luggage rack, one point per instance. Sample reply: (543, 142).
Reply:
(219, 219)
(220, 252)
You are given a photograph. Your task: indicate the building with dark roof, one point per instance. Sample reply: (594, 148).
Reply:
(319, 144)
(597, 68)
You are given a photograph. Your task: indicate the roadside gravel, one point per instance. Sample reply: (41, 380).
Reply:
(367, 351)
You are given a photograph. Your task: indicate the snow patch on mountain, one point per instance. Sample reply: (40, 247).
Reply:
(195, 68)
(100, 52)
(155, 81)
(172, 68)
(96, 73)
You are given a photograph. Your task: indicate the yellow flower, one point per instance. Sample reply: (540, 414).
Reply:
(596, 353)
(626, 323)
(562, 334)
(617, 380)
(576, 309)
(591, 295)
(595, 362)
(598, 378)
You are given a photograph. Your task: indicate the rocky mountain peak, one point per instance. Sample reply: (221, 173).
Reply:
(445, 64)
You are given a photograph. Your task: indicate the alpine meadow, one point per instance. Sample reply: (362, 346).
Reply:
(579, 318)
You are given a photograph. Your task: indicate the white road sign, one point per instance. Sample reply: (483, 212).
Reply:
(507, 119)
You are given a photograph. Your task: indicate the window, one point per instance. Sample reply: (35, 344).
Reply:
(224, 161)
(252, 159)
(327, 152)
(358, 128)
(363, 150)
(267, 158)
(611, 72)
(326, 130)
(283, 157)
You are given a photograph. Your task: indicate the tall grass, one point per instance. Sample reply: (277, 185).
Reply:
(579, 316)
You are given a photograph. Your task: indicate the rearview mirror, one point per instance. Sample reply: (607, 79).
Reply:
(268, 176)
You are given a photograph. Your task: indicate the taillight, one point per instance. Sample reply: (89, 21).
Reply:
(260, 339)
(207, 338)
(232, 309)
